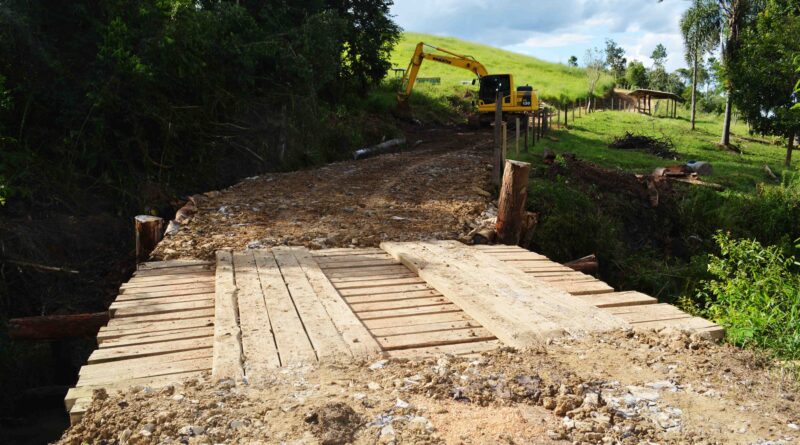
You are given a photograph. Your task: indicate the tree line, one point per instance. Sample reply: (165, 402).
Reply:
(756, 72)
(112, 98)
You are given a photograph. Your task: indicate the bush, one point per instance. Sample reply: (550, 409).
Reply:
(755, 294)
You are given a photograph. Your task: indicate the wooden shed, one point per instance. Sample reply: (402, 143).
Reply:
(644, 99)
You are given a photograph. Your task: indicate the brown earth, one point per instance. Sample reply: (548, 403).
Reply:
(433, 191)
(621, 387)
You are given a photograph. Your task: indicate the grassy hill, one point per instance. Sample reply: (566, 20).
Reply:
(551, 80)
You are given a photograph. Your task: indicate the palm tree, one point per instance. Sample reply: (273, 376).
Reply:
(701, 26)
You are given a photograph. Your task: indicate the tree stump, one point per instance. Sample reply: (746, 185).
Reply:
(511, 205)
(149, 231)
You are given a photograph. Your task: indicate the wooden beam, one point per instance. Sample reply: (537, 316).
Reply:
(511, 204)
(149, 231)
(227, 361)
(56, 327)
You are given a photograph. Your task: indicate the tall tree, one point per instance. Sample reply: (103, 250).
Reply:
(636, 75)
(615, 59)
(700, 25)
(765, 74)
(659, 55)
(573, 61)
(595, 65)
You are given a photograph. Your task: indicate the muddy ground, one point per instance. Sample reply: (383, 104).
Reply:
(433, 190)
(622, 387)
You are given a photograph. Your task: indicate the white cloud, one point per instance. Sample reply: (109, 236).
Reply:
(552, 29)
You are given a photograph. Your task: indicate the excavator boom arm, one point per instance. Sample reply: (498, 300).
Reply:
(443, 56)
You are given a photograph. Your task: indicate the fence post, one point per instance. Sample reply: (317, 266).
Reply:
(505, 140)
(497, 175)
(516, 141)
(149, 231)
(511, 203)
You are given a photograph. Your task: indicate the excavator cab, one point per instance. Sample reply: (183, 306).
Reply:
(491, 84)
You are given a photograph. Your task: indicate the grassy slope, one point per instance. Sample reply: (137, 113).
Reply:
(551, 80)
(589, 136)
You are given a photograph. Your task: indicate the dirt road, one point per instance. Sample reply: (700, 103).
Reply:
(432, 191)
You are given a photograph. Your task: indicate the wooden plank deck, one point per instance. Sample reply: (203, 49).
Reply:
(252, 311)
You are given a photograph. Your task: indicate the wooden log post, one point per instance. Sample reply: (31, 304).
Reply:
(516, 141)
(533, 129)
(497, 174)
(566, 116)
(511, 204)
(573, 112)
(558, 119)
(56, 327)
(149, 231)
(527, 127)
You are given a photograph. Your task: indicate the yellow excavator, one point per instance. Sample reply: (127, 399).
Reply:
(516, 101)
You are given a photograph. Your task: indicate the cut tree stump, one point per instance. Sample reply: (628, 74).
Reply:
(511, 205)
(149, 231)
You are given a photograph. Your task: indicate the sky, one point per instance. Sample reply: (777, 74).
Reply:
(553, 30)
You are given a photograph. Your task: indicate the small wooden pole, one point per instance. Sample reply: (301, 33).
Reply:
(558, 119)
(149, 231)
(505, 141)
(527, 127)
(497, 175)
(612, 103)
(533, 128)
(516, 141)
(573, 112)
(511, 203)
(566, 115)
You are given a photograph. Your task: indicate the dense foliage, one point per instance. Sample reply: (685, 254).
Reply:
(124, 98)
(755, 294)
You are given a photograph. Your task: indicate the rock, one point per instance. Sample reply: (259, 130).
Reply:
(378, 365)
(591, 400)
(401, 404)
(178, 397)
(642, 393)
(420, 424)
(236, 424)
(373, 386)
(549, 403)
(565, 403)
(168, 390)
(149, 427)
(124, 436)
(191, 430)
(388, 435)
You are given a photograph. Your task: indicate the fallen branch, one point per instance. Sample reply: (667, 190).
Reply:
(41, 266)
(587, 264)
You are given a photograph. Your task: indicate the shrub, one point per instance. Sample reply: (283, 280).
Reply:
(755, 294)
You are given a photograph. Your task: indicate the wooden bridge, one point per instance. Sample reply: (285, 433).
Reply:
(257, 310)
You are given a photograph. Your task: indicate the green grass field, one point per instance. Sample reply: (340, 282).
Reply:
(553, 81)
(588, 138)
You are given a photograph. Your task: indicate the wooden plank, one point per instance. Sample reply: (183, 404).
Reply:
(144, 362)
(355, 257)
(365, 272)
(369, 264)
(154, 309)
(172, 263)
(392, 297)
(398, 314)
(110, 332)
(162, 369)
(328, 343)
(357, 279)
(135, 281)
(529, 306)
(427, 327)
(160, 300)
(457, 349)
(123, 385)
(176, 289)
(646, 313)
(417, 320)
(361, 343)
(398, 289)
(619, 299)
(109, 354)
(344, 251)
(379, 283)
(696, 324)
(294, 346)
(436, 338)
(227, 362)
(583, 287)
(157, 337)
(362, 308)
(172, 272)
(170, 316)
(258, 344)
(523, 255)
(202, 280)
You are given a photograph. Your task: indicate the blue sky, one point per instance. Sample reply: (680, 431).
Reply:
(553, 30)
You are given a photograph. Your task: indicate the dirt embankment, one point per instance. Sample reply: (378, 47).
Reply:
(433, 191)
(621, 387)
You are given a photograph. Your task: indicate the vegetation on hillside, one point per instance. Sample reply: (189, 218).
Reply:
(553, 81)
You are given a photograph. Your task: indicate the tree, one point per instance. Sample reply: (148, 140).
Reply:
(764, 72)
(573, 61)
(595, 65)
(700, 26)
(636, 75)
(615, 59)
(659, 55)
(658, 78)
